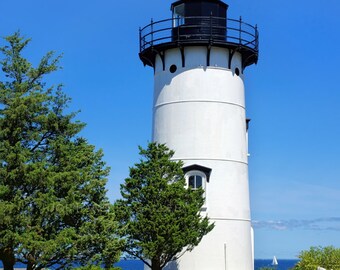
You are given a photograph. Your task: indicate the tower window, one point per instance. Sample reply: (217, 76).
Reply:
(197, 176)
(178, 15)
(195, 181)
(237, 71)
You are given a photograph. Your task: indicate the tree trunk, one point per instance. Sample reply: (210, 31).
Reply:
(8, 265)
(7, 258)
(155, 264)
(29, 266)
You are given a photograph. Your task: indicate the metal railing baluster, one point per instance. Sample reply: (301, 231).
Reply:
(240, 33)
(140, 39)
(151, 32)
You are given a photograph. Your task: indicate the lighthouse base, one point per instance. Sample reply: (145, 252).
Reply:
(221, 256)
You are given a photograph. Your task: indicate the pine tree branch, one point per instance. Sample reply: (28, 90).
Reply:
(44, 137)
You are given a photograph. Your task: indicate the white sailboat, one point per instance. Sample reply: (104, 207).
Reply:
(275, 263)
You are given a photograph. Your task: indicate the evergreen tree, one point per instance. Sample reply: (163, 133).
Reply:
(325, 257)
(160, 216)
(53, 204)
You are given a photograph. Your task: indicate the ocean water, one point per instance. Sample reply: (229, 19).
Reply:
(283, 264)
(138, 265)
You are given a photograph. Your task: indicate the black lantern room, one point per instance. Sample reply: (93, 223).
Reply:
(199, 23)
(192, 19)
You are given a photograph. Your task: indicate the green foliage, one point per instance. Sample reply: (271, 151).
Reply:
(160, 217)
(53, 204)
(326, 257)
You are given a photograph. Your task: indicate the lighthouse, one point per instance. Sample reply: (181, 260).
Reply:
(199, 56)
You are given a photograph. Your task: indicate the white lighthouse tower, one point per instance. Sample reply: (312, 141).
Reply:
(199, 56)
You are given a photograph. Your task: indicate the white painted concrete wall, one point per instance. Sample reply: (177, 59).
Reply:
(199, 112)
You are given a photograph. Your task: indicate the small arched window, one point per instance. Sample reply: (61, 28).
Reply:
(196, 180)
(197, 176)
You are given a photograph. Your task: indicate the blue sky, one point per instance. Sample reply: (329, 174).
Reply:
(292, 98)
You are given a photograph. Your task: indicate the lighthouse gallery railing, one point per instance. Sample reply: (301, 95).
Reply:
(203, 29)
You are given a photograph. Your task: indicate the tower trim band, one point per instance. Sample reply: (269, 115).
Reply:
(199, 101)
(213, 159)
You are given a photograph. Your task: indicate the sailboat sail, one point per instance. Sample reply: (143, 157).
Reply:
(275, 261)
